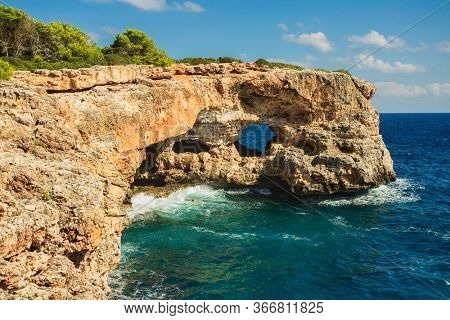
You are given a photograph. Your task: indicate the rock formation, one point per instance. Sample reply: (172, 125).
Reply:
(72, 142)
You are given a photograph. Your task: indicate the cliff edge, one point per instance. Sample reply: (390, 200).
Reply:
(72, 142)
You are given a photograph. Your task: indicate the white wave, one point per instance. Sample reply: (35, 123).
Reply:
(182, 199)
(224, 234)
(339, 221)
(445, 236)
(140, 204)
(399, 191)
(238, 191)
(119, 279)
(374, 229)
(292, 237)
(127, 249)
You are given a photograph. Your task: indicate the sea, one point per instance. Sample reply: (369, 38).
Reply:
(392, 242)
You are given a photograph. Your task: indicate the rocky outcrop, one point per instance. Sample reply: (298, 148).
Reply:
(72, 142)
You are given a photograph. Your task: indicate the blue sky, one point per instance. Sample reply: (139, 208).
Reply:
(412, 72)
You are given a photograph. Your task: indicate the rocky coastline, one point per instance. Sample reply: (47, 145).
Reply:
(73, 141)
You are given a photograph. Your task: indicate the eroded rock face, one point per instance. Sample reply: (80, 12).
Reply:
(71, 142)
(327, 135)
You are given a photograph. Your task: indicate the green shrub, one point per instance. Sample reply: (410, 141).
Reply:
(21, 64)
(323, 70)
(343, 71)
(227, 60)
(6, 70)
(263, 62)
(117, 59)
(197, 60)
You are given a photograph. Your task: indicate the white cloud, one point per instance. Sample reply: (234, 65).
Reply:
(400, 90)
(111, 31)
(158, 5)
(439, 89)
(443, 46)
(188, 6)
(316, 40)
(370, 62)
(150, 5)
(394, 89)
(94, 36)
(374, 38)
(282, 26)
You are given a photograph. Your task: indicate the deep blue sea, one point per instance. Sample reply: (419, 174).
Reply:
(390, 243)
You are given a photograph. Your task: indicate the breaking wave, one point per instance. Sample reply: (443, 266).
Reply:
(399, 191)
(177, 203)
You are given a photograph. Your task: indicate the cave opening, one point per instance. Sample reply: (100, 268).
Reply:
(189, 146)
(255, 140)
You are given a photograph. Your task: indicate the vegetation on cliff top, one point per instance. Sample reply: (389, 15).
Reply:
(200, 60)
(134, 46)
(6, 70)
(28, 44)
(263, 62)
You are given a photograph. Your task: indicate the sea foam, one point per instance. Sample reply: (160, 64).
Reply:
(399, 191)
(177, 202)
(223, 234)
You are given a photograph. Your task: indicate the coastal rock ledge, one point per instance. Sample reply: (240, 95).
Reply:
(73, 141)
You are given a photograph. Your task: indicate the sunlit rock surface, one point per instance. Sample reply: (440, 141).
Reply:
(72, 142)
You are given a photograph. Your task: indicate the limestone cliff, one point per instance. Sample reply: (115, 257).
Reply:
(72, 142)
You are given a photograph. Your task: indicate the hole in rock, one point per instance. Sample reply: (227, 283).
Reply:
(191, 146)
(255, 140)
(76, 257)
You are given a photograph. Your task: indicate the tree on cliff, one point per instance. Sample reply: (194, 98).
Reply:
(29, 44)
(68, 43)
(26, 42)
(17, 33)
(134, 46)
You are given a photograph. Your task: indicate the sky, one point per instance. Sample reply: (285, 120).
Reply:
(412, 72)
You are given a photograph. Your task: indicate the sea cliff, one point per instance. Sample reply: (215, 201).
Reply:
(73, 141)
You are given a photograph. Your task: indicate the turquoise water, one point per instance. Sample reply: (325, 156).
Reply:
(390, 243)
